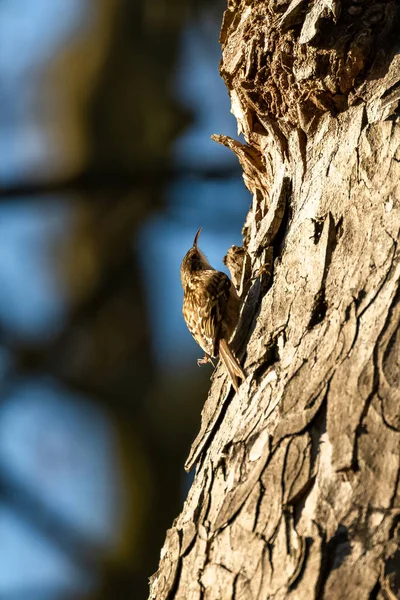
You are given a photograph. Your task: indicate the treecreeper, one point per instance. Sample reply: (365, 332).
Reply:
(211, 308)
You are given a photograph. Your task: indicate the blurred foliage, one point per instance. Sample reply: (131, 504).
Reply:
(117, 116)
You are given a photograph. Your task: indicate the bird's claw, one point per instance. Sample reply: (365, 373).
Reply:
(263, 270)
(204, 361)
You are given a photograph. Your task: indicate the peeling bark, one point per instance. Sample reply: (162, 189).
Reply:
(297, 492)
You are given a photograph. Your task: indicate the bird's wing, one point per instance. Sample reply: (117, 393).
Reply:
(209, 297)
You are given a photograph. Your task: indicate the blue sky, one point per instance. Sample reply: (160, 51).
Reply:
(62, 446)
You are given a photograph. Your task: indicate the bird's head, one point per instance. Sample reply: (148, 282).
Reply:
(194, 260)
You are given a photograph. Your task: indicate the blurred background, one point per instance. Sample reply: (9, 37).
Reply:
(107, 171)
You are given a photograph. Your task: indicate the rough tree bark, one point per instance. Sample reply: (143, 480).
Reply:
(296, 493)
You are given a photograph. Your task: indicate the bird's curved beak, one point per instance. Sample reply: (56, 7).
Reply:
(197, 237)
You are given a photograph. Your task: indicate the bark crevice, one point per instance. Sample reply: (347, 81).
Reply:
(296, 491)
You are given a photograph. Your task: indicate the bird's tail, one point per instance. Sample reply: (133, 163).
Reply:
(230, 362)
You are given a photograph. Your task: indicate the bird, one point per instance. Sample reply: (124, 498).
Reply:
(211, 308)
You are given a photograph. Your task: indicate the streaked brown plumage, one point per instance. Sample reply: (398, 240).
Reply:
(211, 309)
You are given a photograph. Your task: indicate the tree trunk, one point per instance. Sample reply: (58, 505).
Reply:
(297, 491)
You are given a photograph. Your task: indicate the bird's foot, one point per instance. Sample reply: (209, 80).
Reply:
(205, 360)
(263, 270)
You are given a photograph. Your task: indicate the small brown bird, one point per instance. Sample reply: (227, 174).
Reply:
(211, 309)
